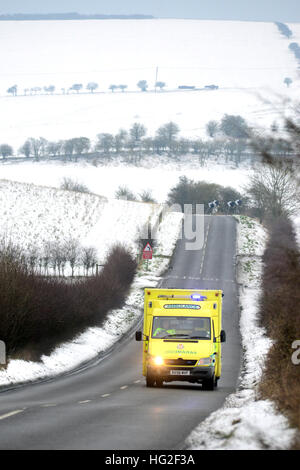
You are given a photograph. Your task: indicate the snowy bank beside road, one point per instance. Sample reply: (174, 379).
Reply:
(246, 422)
(97, 340)
(296, 222)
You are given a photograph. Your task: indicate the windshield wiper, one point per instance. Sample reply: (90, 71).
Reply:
(199, 337)
(176, 334)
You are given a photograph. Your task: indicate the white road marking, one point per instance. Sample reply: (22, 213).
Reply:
(12, 413)
(105, 395)
(124, 387)
(136, 382)
(48, 405)
(204, 248)
(84, 401)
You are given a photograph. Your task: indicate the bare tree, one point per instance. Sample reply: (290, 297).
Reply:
(76, 87)
(26, 149)
(168, 134)
(105, 143)
(123, 87)
(49, 89)
(120, 140)
(288, 81)
(81, 145)
(73, 252)
(46, 257)
(143, 85)
(69, 147)
(58, 257)
(6, 150)
(274, 191)
(212, 128)
(54, 148)
(35, 89)
(160, 85)
(89, 258)
(13, 90)
(92, 86)
(137, 131)
(38, 146)
(32, 259)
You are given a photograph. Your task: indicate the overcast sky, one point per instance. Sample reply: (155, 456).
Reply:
(253, 10)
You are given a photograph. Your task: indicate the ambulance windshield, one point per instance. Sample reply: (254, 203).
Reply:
(181, 327)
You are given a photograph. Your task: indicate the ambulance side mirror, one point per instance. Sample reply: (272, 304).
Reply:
(222, 336)
(138, 336)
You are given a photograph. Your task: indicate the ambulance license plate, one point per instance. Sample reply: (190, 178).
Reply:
(180, 372)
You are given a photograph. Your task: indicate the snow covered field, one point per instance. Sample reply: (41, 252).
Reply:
(245, 59)
(105, 180)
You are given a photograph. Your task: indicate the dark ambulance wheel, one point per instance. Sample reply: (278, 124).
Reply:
(209, 384)
(150, 380)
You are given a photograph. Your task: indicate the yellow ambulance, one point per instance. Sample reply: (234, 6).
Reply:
(182, 336)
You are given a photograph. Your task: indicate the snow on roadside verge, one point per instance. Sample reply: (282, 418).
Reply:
(97, 340)
(296, 222)
(246, 422)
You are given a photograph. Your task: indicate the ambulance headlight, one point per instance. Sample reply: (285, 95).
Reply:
(158, 361)
(206, 361)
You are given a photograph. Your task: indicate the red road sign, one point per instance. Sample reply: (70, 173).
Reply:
(147, 252)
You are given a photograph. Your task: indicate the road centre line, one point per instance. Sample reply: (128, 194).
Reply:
(204, 248)
(12, 413)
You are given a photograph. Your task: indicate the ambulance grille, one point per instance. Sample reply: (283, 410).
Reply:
(180, 362)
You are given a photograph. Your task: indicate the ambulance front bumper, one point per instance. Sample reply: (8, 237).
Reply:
(187, 374)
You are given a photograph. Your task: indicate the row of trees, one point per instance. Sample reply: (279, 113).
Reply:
(229, 139)
(294, 47)
(77, 87)
(57, 259)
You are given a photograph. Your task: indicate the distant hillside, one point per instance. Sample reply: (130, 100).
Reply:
(70, 16)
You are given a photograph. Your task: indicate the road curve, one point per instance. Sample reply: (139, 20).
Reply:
(108, 406)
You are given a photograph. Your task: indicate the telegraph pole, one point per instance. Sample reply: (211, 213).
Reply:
(156, 75)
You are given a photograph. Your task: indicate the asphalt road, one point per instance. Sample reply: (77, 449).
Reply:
(108, 406)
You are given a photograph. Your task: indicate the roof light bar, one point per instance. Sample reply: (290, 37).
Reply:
(198, 297)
